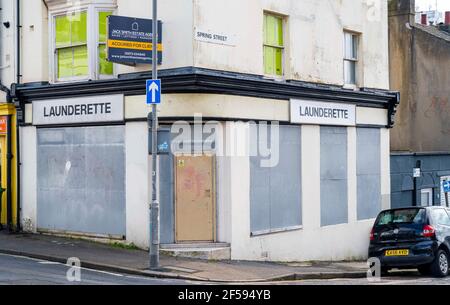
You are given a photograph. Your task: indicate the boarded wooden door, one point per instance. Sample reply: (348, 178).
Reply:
(195, 194)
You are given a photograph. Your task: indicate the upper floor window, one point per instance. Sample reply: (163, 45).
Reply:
(71, 45)
(273, 45)
(351, 41)
(79, 43)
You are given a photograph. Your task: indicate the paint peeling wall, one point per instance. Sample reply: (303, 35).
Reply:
(313, 30)
(313, 36)
(36, 38)
(420, 70)
(7, 40)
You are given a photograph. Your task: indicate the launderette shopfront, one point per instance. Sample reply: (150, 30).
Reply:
(80, 166)
(86, 168)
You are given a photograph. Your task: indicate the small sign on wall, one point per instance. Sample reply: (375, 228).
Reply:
(130, 40)
(214, 37)
(320, 113)
(163, 138)
(446, 186)
(445, 190)
(417, 173)
(105, 108)
(3, 125)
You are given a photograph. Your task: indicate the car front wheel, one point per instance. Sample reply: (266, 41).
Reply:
(439, 267)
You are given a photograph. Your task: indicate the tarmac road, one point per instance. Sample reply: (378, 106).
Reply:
(15, 270)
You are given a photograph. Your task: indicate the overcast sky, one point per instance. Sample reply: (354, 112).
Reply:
(424, 5)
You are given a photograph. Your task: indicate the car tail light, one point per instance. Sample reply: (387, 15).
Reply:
(428, 231)
(372, 235)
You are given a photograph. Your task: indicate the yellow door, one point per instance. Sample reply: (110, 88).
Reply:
(3, 179)
(8, 133)
(194, 199)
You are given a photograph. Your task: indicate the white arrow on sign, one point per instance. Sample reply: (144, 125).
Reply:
(153, 88)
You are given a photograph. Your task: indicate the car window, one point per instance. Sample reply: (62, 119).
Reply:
(440, 217)
(416, 216)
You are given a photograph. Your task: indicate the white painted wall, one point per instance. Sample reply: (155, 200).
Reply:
(385, 169)
(314, 37)
(230, 106)
(352, 179)
(7, 41)
(137, 181)
(223, 196)
(313, 242)
(211, 105)
(176, 16)
(371, 116)
(177, 36)
(34, 48)
(28, 178)
(34, 41)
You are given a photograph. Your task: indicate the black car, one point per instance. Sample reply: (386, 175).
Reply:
(416, 237)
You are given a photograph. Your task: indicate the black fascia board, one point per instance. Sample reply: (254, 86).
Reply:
(201, 80)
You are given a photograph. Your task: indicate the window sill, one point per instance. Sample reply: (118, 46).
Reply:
(71, 80)
(275, 231)
(275, 77)
(81, 80)
(350, 87)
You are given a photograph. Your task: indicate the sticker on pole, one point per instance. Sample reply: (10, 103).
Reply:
(153, 89)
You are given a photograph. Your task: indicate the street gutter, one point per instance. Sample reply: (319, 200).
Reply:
(172, 275)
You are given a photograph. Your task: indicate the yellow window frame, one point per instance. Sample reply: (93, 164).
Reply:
(273, 47)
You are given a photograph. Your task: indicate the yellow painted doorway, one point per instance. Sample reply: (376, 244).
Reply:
(8, 119)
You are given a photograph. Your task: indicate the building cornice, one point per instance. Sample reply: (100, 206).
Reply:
(207, 81)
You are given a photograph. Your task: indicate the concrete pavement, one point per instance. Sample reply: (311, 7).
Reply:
(130, 261)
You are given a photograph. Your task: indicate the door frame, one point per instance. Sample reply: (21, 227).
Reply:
(214, 197)
(3, 181)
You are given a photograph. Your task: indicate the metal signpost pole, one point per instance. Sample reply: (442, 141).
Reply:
(154, 207)
(446, 200)
(445, 186)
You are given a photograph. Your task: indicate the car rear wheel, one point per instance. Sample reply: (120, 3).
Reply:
(439, 267)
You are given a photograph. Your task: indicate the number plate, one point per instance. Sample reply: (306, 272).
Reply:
(397, 253)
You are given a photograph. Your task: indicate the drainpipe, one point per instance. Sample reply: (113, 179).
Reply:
(19, 27)
(18, 110)
(8, 99)
(2, 87)
(415, 198)
(9, 156)
(9, 190)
